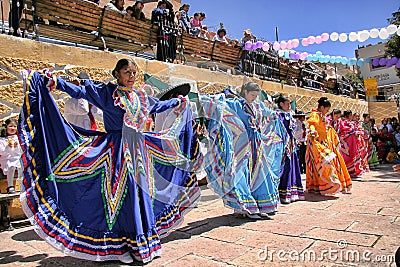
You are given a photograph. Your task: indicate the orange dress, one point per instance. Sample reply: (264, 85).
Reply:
(326, 172)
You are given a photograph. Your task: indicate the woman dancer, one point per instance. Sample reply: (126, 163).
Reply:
(290, 187)
(245, 152)
(323, 167)
(333, 120)
(364, 148)
(104, 196)
(350, 144)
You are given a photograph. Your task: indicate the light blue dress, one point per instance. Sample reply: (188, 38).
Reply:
(244, 153)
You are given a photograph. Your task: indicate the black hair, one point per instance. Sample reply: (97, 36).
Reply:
(347, 113)
(365, 115)
(281, 99)
(324, 102)
(138, 2)
(221, 30)
(160, 3)
(249, 87)
(3, 129)
(196, 14)
(115, 3)
(183, 6)
(334, 112)
(120, 64)
(131, 8)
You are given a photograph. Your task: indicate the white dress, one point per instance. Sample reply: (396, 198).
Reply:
(10, 153)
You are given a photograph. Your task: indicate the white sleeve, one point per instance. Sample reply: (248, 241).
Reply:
(3, 144)
(97, 113)
(76, 107)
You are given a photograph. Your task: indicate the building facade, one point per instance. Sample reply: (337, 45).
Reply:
(382, 105)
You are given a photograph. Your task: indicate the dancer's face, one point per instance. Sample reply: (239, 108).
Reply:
(250, 96)
(324, 110)
(126, 75)
(285, 105)
(336, 116)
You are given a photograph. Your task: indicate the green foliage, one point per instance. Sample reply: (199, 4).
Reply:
(354, 78)
(393, 44)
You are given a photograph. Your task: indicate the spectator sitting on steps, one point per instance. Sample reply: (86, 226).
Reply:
(117, 6)
(138, 10)
(220, 36)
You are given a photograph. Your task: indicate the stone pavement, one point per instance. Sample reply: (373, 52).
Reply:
(358, 229)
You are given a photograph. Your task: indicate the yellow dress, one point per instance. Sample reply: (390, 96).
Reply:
(325, 172)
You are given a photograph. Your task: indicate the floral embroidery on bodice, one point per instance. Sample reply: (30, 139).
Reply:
(135, 104)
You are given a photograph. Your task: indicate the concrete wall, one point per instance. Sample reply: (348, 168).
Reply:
(381, 110)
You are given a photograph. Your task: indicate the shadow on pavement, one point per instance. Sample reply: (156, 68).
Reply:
(206, 225)
(7, 257)
(317, 197)
(70, 261)
(26, 236)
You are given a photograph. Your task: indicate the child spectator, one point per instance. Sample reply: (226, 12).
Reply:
(10, 153)
(129, 10)
(195, 24)
(392, 156)
(184, 9)
(220, 36)
(204, 32)
(202, 17)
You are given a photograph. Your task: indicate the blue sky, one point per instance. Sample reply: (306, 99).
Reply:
(298, 19)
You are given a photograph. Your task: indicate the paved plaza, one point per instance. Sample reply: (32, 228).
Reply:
(358, 229)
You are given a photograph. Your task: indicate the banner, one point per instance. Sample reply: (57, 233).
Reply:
(372, 86)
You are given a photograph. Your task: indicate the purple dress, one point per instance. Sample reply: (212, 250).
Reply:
(290, 187)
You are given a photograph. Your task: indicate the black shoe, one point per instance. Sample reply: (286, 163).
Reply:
(10, 190)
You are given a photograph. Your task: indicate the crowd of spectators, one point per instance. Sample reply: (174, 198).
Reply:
(386, 139)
